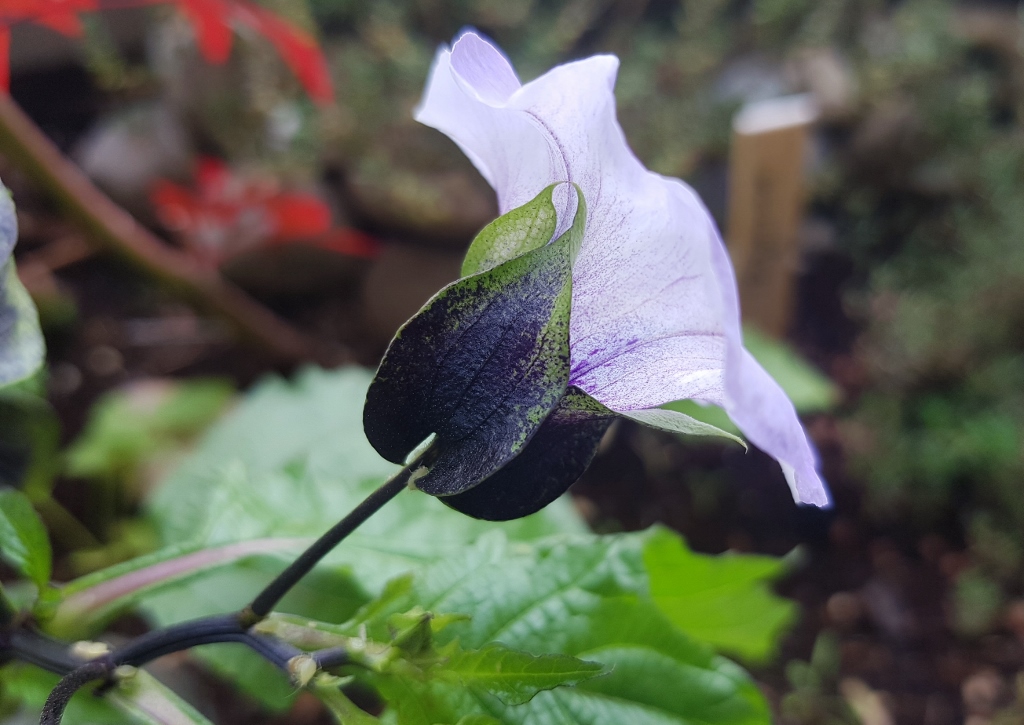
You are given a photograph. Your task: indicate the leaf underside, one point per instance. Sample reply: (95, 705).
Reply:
(551, 462)
(483, 364)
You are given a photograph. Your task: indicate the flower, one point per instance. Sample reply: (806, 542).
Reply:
(655, 310)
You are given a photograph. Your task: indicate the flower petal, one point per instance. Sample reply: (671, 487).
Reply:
(655, 316)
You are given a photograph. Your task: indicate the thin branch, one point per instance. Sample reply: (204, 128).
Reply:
(275, 591)
(60, 696)
(35, 648)
(112, 227)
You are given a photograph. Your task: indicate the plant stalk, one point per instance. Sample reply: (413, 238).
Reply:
(267, 599)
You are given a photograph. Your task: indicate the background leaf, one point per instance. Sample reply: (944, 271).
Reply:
(131, 427)
(723, 600)
(289, 461)
(30, 686)
(21, 341)
(584, 596)
(148, 701)
(24, 543)
(83, 606)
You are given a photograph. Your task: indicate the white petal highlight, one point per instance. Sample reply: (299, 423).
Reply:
(654, 315)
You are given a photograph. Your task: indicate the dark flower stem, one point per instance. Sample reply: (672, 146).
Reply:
(267, 599)
(28, 645)
(75, 680)
(49, 654)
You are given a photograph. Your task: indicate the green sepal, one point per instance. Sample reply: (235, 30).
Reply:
(480, 366)
(674, 421)
(509, 236)
(24, 543)
(522, 230)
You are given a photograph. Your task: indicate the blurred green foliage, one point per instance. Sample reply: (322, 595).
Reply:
(930, 209)
(129, 428)
(421, 595)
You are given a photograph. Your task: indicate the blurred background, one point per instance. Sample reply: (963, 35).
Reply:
(880, 259)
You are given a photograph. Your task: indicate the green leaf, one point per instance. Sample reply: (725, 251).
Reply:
(480, 367)
(808, 388)
(141, 698)
(580, 596)
(511, 235)
(513, 676)
(288, 461)
(340, 706)
(291, 459)
(23, 540)
(132, 427)
(723, 600)
(21, 341)
(148, 701)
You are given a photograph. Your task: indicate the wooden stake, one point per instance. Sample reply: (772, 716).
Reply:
(767, 193)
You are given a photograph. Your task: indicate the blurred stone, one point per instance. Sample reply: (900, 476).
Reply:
(447, 207)
(829, 78)
(1015, 618)
(954, 563)
(292, 270)
(126, 152)
(932, 548)
(982, 692)
(869, 704)
(843, 533)
(887, 608)
(64, 379)
(104, 360)
(402, 279)
(844, 609)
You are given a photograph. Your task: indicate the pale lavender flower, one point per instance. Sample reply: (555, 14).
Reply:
(655, 311)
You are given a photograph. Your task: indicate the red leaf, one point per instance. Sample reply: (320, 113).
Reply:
(59, 15)
(212, 177)
(5, 58)
(175, 205)
(298, 49)
(350, 242)
(298, 216)
(211, 22)
(225, 215)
